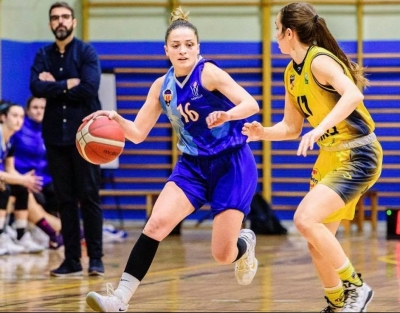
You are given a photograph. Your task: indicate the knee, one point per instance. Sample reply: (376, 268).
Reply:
(302, 223)
(156, 228)
(224, 256)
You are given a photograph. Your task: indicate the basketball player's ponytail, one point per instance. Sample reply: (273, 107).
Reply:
(311, 30)
(178, 19)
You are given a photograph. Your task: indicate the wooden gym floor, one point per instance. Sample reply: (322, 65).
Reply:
(185, 278)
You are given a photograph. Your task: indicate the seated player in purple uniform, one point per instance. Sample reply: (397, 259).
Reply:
(207, 110)
(11, 120)
(30, 154)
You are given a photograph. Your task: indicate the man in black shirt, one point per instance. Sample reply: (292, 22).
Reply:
(67, 73)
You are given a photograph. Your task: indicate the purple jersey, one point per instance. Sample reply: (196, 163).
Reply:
(187, 104)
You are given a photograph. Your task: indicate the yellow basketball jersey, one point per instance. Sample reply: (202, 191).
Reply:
(315, 101)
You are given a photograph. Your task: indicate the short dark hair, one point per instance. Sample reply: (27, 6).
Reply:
(5, 106)
(61, 4)
(29, 101)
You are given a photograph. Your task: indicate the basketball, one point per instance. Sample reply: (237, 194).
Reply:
(100, 140)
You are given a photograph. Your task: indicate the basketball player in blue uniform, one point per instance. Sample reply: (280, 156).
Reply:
(207, 110)
(321, 86)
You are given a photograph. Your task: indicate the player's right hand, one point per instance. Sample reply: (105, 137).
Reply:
(110, 114)
(254, 131)
(32, 182)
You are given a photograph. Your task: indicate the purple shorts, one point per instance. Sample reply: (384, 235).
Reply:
(227, 181)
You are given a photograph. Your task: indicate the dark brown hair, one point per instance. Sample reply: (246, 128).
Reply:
(61, 4)
(311, 30)
(5, 106)
(180, 19)
(29, 101)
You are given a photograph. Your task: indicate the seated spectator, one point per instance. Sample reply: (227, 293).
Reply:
(11, 121)
(30, 154)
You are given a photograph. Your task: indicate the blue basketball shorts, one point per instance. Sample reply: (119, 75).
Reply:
(227, 181)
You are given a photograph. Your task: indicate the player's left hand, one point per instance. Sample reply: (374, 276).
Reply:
(217, 118)
(308, 140)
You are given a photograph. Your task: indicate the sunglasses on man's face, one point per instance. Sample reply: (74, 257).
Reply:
(54, 18)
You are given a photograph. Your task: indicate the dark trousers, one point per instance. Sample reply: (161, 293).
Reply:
(77, 184)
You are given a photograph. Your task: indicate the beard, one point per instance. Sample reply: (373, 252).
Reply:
(62, 32)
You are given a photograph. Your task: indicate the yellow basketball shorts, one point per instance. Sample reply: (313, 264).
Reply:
(350, 173)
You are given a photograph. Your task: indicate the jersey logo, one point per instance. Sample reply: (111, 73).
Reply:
(306, 78)
(291, 81)
(195, 91)
(329, 133)
(315, 177)
(347, 175)
(167, 95)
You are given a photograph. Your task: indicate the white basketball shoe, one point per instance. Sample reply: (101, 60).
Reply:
(246, 266)
(109, 303)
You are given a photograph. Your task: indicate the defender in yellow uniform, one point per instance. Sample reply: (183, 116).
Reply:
(321, 85)
(350, 159)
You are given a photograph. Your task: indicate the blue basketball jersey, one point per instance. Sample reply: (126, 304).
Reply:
(187, 104)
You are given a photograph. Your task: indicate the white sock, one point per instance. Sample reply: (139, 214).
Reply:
(126, 287)
(21, 223)
(2, 222)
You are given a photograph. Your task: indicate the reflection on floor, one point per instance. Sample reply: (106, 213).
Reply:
(185, 278)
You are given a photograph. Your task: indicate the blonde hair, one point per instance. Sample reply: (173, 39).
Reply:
(179, 14)
(180, 19)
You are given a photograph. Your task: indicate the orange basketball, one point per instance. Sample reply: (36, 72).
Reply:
(100, 140)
